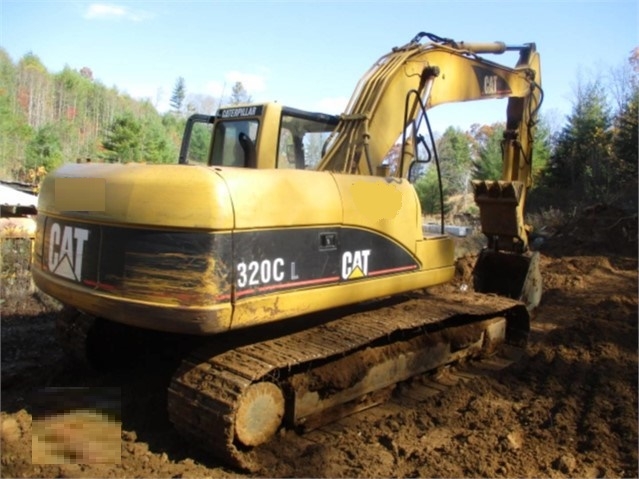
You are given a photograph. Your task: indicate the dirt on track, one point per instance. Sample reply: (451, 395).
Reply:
(567, 408)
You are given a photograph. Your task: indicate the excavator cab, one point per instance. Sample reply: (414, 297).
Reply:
(262, 136)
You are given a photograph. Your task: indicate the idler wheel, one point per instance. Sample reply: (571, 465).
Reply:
(259, 413)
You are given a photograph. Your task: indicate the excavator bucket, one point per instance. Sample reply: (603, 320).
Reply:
(506, 270)
(516, 276)
(501, 209)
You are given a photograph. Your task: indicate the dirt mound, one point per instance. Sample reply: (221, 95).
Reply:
(600, 229)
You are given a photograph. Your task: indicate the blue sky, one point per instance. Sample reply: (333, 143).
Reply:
(310, 54)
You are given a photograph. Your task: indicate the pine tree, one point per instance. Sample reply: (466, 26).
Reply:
(45, 149)
(178, 96)
(489, 162)
(581, 161)
(541, 150)
(239, 94)
(123, 142)
(14, 129)
(455, 160)
(625, 142)
(156, 145)
(427, 188)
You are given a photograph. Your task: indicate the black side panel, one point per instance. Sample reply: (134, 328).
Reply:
(285, 259)
(267, 261)
(198, 268)
(167, 266)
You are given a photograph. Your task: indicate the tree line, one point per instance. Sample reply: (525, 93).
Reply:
(47, 119)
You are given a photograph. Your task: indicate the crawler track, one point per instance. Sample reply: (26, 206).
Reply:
(230, 402)
(413, 392)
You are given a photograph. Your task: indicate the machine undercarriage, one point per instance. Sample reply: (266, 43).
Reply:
(232, 396)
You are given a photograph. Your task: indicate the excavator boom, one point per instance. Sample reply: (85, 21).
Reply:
(428, 74)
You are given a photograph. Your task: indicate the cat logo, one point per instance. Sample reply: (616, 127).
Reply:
(491, 84)
(66, 247)
(355, 264)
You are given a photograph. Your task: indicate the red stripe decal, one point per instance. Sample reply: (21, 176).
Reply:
(392, 270)
(287, 285)
(96, 284)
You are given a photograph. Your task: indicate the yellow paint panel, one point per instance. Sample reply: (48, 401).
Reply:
(80, 194)
(388, 206)
(276, 198)
(183, 196)
(436, 252)
(377, 200)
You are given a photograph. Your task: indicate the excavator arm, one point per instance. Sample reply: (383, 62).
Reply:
(501, 202)
(411, 79)
(394, 96)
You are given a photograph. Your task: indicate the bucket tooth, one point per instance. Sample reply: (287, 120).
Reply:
(480, 187)
(485, 190)
(495, 190)
(500, 211)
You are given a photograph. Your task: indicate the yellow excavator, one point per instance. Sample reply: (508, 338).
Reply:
(298, 241)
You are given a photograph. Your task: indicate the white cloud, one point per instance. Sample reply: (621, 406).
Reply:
(156, 95)
(108, 11)
(214, 88)
(252, 83)
(334, 105)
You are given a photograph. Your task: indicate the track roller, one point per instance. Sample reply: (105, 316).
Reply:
(259, 413)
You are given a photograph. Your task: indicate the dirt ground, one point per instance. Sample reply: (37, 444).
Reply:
(567, 408)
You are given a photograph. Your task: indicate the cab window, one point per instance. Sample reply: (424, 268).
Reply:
(301, 138)
(200, 142)
(234, 143)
